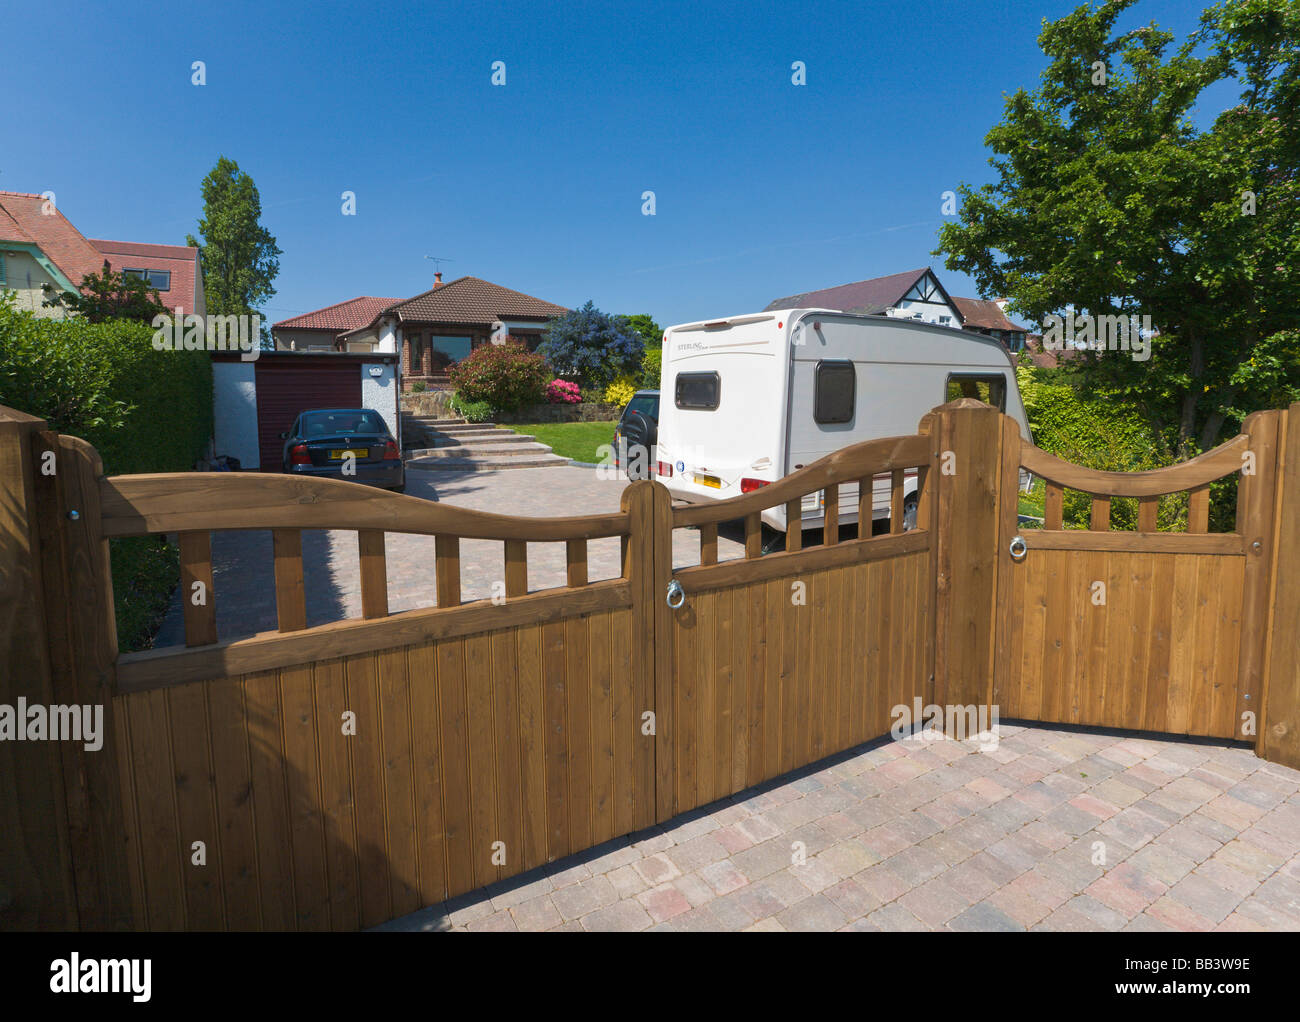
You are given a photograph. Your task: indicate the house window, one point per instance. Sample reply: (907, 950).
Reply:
(447, 350)
(945, 320)
(159, 279)
(992, 390)
(698, 391)
(835, 391)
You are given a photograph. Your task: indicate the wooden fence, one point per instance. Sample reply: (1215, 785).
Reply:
(339, 775)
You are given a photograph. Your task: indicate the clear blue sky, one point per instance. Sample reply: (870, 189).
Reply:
(763, 188)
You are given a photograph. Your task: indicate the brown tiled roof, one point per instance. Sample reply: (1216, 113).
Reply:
(181, 261)
(353, 314)
(471, 300)
(62, 243)
(981, 312)
(873, 295)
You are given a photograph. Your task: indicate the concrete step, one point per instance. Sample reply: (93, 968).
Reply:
(503, 436)
(518, 450)
(487, 463)
(467, 427)
(431, 420)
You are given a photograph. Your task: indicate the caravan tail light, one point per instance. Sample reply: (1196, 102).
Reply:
(391, 453)
(750, 485)
(298, 455)
(664, 468)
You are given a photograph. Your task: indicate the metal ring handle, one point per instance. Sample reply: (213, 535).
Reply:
(1018, 549)
(675, 592)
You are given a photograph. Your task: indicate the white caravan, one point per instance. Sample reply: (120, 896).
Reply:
(747, 400)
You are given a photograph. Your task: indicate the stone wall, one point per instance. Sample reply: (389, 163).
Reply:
(430, 402)
(562, 413)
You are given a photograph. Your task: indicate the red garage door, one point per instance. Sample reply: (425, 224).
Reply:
(287, 385)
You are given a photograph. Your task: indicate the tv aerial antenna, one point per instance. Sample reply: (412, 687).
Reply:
(438, 261)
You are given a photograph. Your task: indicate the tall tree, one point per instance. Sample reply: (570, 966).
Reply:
(239, 255)
(1109, 199)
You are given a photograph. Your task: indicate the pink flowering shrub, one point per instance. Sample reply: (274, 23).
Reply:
(561, 392)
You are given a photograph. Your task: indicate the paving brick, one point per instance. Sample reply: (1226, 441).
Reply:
(622, 916)
(576, 900)
(663, 902)
(537, 914)
(723, 877)
(935, 902)
(984, 917)
(656, 869)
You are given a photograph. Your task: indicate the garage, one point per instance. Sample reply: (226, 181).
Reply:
(254, 402)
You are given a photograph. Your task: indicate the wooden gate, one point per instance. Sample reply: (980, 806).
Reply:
(1144, 629)
(338, 775)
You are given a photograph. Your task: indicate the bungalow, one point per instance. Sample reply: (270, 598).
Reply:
(39, 246)
(915, 294)
(431, 331)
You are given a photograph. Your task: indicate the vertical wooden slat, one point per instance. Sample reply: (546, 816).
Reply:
(896, 501)
(273, 820)
(1054, 505)
(575, 557)
(866, 487)
(709, 543)
(1148, 508)
(374, 573)
(196, 566)
(369, 754)
(1099, 519)
(337, 803)
(753, 535)
(484, 831)
(427, 756)
(1198, 509)
(450, 658)
(516, 568)
(831, 526)
(794, 524)
(446, 555)
(290, 600)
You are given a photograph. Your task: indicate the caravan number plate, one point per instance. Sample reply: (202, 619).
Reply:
(713, 481)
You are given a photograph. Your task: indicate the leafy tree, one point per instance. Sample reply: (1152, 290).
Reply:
(650, 332)
(108, 295)
(239, 255)
(592, 345)
(1109, 199)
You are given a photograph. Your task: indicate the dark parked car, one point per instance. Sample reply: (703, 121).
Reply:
(637, 434)
(344, 443)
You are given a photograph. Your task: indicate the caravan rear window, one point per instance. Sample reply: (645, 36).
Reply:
(698, 391)
(836, 390)
(992, 390)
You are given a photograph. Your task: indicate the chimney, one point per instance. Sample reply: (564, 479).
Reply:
(437, 278)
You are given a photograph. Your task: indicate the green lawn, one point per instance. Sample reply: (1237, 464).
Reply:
(576, 440)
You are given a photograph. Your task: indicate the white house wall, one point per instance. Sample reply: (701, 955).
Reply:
(380, 392)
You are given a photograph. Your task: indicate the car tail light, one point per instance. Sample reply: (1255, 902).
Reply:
(298, 455)
(391, 453)
(664, 468)
(750, 485)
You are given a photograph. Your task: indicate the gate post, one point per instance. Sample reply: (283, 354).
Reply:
(1279, 716)
(967, 470)
(82, 639)
(36, 885)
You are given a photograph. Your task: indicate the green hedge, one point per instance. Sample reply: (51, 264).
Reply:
(144, 410)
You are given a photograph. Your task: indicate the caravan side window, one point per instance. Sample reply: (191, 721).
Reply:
(836, 391)
(698, 391)
(992, 390)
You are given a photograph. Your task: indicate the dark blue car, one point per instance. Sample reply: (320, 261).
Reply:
(352, 444)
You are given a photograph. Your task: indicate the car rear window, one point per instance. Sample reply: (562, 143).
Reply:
(646, 404)
(701, 391)
(348, 421)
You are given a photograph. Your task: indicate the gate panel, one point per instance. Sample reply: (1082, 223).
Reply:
(1144, 630)
(779, 660)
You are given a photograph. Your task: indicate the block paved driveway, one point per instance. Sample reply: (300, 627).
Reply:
(244, 577)
(920, 835)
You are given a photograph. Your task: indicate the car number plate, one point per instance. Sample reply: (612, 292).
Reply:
(340, 455)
